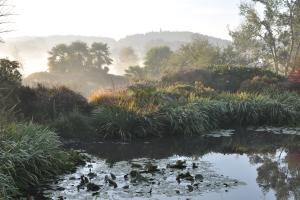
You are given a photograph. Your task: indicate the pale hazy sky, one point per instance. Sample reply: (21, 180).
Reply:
(118, 18)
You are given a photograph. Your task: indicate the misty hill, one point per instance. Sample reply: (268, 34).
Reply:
(143, 42)
(33, 51)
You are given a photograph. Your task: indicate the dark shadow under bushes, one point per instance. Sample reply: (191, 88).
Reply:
(43, 104)
(221, 78)
(74, 125)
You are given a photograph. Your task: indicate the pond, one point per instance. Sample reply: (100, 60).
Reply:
(233, 164)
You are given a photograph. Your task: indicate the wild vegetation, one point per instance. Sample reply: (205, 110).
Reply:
(29, 153)
(191, 109)
(192, 90)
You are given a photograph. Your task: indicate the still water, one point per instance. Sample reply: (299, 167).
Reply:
(228, 165)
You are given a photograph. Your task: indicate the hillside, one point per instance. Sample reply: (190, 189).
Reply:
(32, 51)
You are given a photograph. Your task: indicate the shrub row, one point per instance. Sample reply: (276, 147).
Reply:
(231, 79)
(43, 104)
(201, 115)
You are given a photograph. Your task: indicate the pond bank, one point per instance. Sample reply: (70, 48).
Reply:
(230, 166)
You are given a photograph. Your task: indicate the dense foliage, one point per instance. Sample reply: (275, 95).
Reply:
(272, 38)
(223, 78)
(29, 153)
(9, 74)
(190, 109)
(43, 104)
(78, 57)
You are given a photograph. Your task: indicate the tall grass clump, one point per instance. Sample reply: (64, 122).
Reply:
(245, 109)
(141, 98)
(193, 118)
(115, 122)
(73, 125)
(28, 155)
(228, 110)
(107, 97)
(289, 99)
(261, 110)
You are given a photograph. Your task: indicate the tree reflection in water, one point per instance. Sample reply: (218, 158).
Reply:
(280, 172)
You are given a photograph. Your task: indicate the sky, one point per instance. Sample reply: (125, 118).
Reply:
(119, 18)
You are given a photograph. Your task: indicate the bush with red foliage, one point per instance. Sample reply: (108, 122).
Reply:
(294, 77)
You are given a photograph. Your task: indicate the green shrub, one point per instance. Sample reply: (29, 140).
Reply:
(187, 76)
(115, 122)
(28, 155)
(290, 100)
(201, 110)
(144, 94)
(10, 81)
(228, 111)
(191, 119)
(231, 78)
(220, 78)
(7, 112)
(252, 109)
(180, 89)
(10, 77)
(42, 104)
(73, 125)
(198, 117)
(259, 84)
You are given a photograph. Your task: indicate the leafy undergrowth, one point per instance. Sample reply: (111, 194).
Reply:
(29, 154)
(145, 111)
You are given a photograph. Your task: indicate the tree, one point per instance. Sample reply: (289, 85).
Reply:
(59, 59)
(135, 73)
(10, 76)
(100, 56)
(274, 36)
(197, 54)
(230, 56)
(156, 60)
(78, 57)
(127, 57)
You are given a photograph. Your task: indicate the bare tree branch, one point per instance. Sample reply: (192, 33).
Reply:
(5, 12)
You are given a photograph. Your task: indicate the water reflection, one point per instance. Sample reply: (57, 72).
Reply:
(276, 158)
(279, 172)
(245, 142)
